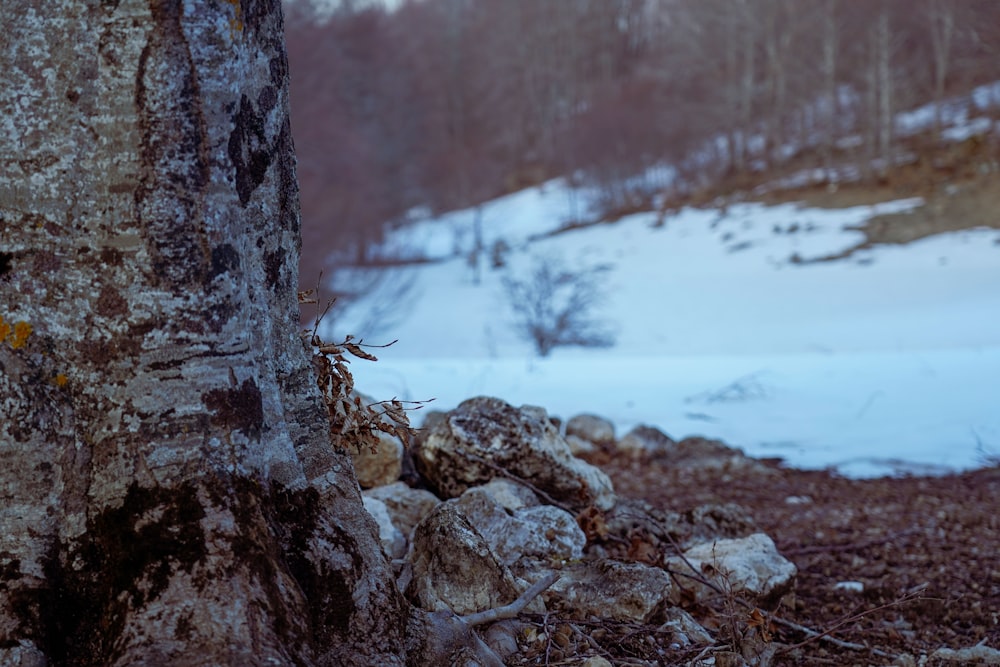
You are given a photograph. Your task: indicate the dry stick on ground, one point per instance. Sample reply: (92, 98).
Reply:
(514, 608)
(812, 635)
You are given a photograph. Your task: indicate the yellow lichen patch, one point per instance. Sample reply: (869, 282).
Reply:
(60, 380)
(236, 23)
(21, 332)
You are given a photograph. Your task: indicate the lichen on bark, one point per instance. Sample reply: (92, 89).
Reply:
(173, 498)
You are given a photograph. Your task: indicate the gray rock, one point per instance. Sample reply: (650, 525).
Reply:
(406, 506)
(453, 567)
(392, 539)
(646, 441)
(591, 428)
(613, 590)
(484, 438)
(510, 494)
(580, 447)
(540, 532)
(745, 566)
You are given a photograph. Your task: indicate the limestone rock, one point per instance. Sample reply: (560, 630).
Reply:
(749, 565)
(380, 467)
(591, 428)
(646, 441)
(580, 447)
(406, 506)
(510, 494)
(454, 568)
(393, 542)
(484, 437)
(613, 589)
(541, 532)
(684, 630)
(706, 454)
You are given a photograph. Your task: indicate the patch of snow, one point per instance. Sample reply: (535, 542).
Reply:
(883, 362)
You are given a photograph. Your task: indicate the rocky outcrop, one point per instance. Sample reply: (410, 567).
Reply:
(486, 438)
(519, 508)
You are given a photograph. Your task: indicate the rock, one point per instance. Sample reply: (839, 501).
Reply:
(379, 467)
(646, 441)
(684, 630)
(596, 661)
(973, 655)
(593, 429)
(502, 636)
(453, 567)
(484, 438)
(712, 521)
(392, 539)
(632, 520)
(613, 590)
(511, 495)
(580, 447)
(706, 454)
(406, 506)
(749, 565)
(541, 532)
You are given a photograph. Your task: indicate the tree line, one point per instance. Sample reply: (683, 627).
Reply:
(447, 103)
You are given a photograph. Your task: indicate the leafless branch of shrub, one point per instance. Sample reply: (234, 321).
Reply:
(554, 304)
(351, 420)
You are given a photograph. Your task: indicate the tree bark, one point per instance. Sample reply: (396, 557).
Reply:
(168, 489)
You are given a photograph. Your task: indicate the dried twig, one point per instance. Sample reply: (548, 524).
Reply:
(514, 608)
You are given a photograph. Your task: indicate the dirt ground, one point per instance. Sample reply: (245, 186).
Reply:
(922, 555)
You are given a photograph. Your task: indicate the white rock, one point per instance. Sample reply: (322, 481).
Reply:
(749, 565)
(850, 586)
(485, 437)
(646, 440)
(591, 428)
(393, 542)
(578, 446)
(406, 506)
(612, 589)
(509, 494)
(542, 532)
(454, 568)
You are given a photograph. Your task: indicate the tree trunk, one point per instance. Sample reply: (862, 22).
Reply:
(169, 490)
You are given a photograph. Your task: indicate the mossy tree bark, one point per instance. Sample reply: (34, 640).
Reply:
(168, 491)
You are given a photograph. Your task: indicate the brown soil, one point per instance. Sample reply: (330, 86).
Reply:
(959, 183)
(926, 551)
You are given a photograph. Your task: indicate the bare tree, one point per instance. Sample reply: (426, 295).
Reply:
(554, 305)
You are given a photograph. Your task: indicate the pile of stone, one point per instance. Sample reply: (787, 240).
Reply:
(496, 498)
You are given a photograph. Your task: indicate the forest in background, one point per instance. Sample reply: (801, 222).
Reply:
(445, 104)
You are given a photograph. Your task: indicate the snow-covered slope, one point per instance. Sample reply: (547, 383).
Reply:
(884, 361)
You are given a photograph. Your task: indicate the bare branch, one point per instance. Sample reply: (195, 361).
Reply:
(514, 608)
